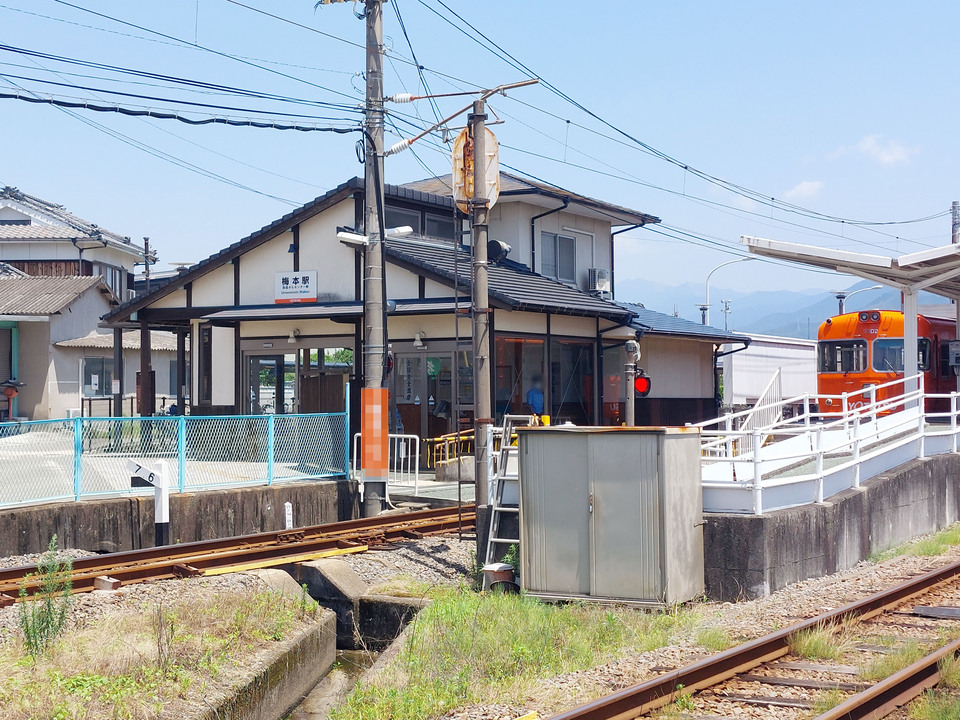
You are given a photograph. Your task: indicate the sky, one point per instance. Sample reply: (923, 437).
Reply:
(821, 116)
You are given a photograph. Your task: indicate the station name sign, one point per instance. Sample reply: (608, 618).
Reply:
(295, 287)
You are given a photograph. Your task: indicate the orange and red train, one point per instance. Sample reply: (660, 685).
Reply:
(859, 349)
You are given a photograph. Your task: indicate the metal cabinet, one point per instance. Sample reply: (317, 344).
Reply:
(611, 513)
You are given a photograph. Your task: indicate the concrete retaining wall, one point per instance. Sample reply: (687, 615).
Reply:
(126, 523)
(293, 669)
(750, 556)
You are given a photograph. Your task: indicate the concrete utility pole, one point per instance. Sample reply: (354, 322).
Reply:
(481, 307)
(630, 374)
(955, 217)
(374, 326)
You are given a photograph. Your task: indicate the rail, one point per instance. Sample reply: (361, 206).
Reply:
(211, 557)
(810, 457)
(632, 702)
(404, 460)
(76, 458)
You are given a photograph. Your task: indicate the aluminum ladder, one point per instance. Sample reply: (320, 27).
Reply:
(506, 483)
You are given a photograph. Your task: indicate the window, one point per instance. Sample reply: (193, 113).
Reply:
(571, 381)
(558, 256)
(946, 372)
(112, 277)
(97, 376)
(841, 356)
(520, 376)
(398, 217)
(888, 355)
(439, 226)
(205, 360)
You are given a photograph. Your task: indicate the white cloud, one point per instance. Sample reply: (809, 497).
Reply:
(885, 151)
(804, 190)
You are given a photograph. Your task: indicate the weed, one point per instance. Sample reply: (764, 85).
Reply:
(43, 617)
(685, 701)
(933, 705)
(306, 605)
(936, 544)
(822, 642)
(512, 556)
(713, 638)
(890, 663)
(827, 700)
(950, 672)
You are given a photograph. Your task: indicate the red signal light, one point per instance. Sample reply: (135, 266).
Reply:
(642, 385)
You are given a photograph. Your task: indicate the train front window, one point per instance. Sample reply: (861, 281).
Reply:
(844, 356)
(888, 355)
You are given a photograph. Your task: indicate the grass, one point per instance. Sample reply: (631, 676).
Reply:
(934, 705)
(825, 701)
(494, 647)
(713, 638)
(134, 665)
(929, 546)
(890, 663)
(823, 642)
(43, 617)
(950, 673)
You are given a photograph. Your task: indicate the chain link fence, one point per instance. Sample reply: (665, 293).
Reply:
(46, 460)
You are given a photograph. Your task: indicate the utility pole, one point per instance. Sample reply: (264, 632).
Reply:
(479, 206)
(726, 313)
(955, 217)
(375, 401)
(630, 375)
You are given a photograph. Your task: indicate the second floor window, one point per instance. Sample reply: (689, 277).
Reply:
(558, 256)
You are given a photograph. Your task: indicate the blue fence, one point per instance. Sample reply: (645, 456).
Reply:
(71, 459)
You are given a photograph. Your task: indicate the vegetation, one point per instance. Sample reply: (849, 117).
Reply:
(929, 546)
(935, 705)
(132, 668)
(822, 642)
(43, 617)
(493, 647)
(893, 662)
(713, 638)
(826, 700)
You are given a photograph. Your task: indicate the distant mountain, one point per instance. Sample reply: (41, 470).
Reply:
(790, 313)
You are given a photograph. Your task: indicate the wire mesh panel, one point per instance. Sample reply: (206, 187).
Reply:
(226, 451)
(108, 443)
(309, 445)
(37, 461)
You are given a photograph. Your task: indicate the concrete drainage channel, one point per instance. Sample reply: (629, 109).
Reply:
(355, 627)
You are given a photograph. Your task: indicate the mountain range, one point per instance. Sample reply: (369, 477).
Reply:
(790, 313)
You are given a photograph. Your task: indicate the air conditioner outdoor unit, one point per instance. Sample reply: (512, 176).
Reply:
(74, 413)
(599, 280)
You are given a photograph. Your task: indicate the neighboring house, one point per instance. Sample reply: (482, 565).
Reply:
(42, 238)
(747, 374)
(46, 343)
(556, 339)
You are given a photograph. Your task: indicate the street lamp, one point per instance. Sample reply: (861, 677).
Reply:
(705, 308)
(842, 295)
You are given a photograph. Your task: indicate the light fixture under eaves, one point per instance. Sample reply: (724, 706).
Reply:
(294, 334)
(418, 340)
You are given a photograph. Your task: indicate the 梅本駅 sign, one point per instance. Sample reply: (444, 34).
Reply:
(295, 287)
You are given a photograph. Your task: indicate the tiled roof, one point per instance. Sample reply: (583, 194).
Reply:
(656, 323)
(61, 214)
(511, 184)
(41, 295)
(9, 271)
(36, 231)
(131, 341)
(513, 285)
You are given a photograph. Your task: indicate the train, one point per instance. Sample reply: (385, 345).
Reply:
(859, 349)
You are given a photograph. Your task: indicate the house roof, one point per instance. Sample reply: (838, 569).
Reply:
(9, 271)
(512, 285)
(131, 341)
(54, 222)
(267, 233)
(657, 323)
(42, 295)
(515, 185)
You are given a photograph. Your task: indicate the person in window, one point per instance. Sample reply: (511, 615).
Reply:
(535, 395)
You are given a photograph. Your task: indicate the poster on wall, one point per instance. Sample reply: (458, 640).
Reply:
(295, 287)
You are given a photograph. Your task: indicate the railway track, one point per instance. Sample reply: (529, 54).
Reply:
(759, 665)
(246, 551)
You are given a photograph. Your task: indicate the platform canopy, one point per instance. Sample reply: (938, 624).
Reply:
(936, 270)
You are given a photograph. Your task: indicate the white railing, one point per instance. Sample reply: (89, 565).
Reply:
(765, 412)
(404, 465)
(816, 455)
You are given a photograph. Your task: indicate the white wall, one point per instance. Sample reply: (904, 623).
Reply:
(223, 373)
(679, 368)
(746, 373)
(216, 287)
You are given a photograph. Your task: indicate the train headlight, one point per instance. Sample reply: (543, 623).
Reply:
(864, 317)
(875, 316)
(828, 401)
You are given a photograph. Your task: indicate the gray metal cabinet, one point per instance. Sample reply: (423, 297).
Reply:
(611, 513)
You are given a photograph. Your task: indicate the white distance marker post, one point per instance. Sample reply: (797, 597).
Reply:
(159, 480)
(288, 515)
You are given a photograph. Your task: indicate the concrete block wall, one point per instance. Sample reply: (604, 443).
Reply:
(750, 556)
(126, 523)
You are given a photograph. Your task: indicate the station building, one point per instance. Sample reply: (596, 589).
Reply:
(274, 321)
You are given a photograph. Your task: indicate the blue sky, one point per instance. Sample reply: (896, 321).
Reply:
(843, 109)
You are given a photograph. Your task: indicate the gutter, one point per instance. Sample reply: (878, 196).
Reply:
(533, 231)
